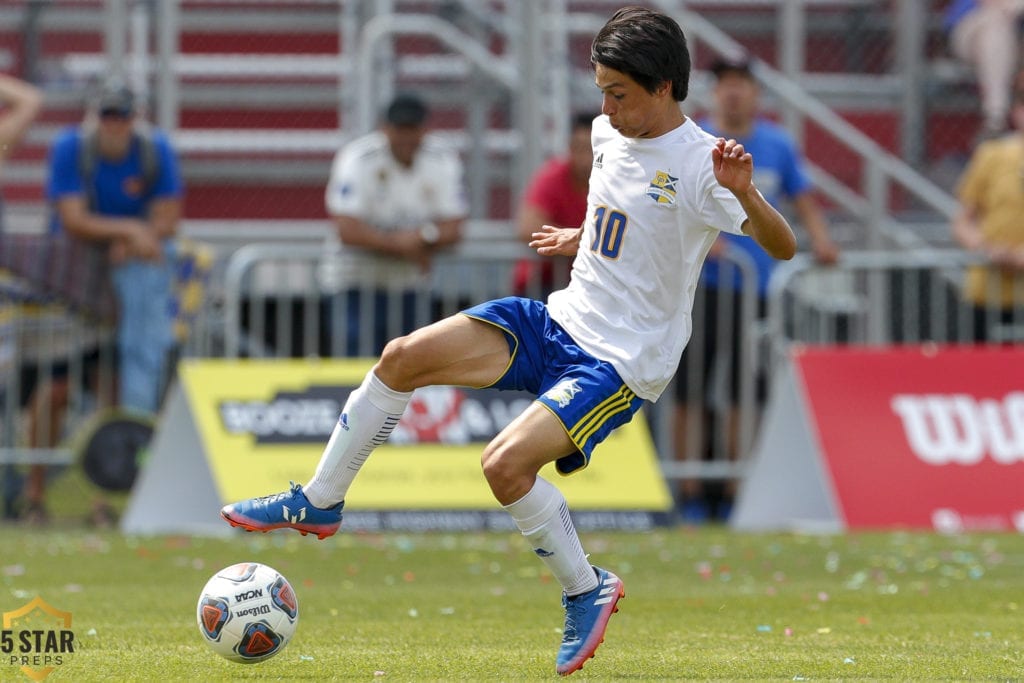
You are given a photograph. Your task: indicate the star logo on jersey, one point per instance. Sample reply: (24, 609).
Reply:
(599, 160)
(563, 392)
(663, 188)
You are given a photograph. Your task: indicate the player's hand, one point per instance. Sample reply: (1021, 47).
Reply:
(733, 165)
(553, 241)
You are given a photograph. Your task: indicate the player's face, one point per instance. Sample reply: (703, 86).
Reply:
(633, 111)
(736, 98)
(404, 141)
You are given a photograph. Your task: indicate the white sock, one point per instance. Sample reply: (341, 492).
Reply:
(543, 517)
(370, 414)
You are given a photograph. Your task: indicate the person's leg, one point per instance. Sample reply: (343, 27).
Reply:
(692, 418)
(987, 38)
(144, 332)
(455, 351)
(46, 412)
(511, 463)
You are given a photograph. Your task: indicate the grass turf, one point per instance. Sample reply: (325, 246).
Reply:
(702, 604)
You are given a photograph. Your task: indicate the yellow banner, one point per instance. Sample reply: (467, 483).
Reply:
(265, 423)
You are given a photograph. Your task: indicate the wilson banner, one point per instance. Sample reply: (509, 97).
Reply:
(926, 437)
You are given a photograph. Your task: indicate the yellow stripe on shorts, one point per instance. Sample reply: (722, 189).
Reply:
(592, 421)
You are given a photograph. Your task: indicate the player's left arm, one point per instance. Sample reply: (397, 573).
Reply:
(734, 170)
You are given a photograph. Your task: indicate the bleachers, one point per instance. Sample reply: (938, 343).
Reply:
(263, 105)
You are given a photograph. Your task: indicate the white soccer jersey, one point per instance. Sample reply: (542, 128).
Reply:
(368, 183)
(654, 210)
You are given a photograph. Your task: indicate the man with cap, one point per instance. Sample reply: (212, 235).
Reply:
(114, 182)
(396, 197)
(780, 176)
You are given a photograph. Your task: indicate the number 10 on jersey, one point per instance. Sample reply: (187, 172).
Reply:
(609, 229)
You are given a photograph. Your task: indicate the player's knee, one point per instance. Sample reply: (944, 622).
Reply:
(497, 467)
(397, 365)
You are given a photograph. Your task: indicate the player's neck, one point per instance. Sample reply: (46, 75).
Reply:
(672, 119)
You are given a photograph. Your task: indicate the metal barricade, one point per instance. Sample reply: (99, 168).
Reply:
(282, 301)
(715, 392)
(56, 367)
(878, 298)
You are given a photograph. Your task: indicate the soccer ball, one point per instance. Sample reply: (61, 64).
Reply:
(247, 612)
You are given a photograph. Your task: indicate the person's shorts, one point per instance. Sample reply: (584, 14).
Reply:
(586, 394)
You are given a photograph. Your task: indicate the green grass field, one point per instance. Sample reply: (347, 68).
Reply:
(702, 604)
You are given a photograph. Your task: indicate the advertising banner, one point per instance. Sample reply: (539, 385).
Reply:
(925, 437)
(254, 426)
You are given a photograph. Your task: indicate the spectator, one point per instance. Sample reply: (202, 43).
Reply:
(396, 198)
(778, 174)
(556, 196)
(21, 103)
(114, 182)
(985, 34)
(991, 198)
(114, 185)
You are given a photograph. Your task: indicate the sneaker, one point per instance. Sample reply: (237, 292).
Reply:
(586, 618)
(290, 509)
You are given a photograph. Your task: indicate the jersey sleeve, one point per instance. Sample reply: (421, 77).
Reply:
(721, 210)
(344, 189)
(169, 183)
(63, 178)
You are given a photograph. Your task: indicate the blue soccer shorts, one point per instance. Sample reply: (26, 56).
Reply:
(586, 394)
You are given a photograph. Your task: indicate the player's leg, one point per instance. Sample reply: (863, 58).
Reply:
(455, 351)
(564, 425)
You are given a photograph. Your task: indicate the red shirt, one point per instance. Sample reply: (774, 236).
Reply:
(552, 191)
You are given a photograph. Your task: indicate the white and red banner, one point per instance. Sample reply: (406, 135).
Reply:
(925, 437)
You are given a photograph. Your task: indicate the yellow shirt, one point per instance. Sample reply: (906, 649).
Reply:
(992, 186)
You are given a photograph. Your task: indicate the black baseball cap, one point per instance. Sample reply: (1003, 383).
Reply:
(115, 99)
(736, 65)
(406, 110)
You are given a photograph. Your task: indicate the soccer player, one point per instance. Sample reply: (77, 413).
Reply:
(660, 191)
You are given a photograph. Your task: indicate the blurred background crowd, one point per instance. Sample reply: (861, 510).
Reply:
(309, 178)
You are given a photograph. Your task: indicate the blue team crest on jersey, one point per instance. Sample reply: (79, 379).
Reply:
(663, 188)
(563, 392)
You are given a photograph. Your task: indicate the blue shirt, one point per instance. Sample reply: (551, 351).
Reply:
(957, 10)
(778, 174)
(118, 186)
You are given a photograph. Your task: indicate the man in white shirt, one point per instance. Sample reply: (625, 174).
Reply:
(396, 197)
(660, 192)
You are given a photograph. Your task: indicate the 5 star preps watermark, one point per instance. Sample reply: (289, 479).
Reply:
(36, 639)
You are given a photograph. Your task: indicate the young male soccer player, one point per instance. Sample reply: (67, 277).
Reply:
(660, 191)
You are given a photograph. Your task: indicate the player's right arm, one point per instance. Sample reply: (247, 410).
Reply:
(554, 241)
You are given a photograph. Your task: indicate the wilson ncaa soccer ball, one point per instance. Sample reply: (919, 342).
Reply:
(247, 612)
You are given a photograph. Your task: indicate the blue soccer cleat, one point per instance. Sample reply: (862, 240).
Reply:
(288, 510)
(586, 618)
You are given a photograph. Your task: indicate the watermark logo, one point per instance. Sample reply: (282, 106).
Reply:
(37, 638)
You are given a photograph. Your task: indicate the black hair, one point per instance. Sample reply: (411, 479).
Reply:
(647, 46)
